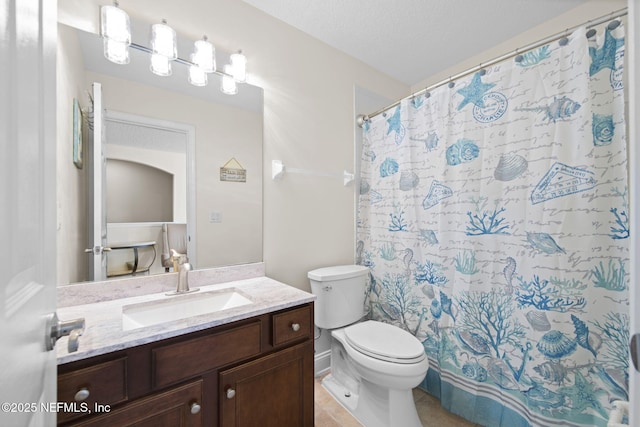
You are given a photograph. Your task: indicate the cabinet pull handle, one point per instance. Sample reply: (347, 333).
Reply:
(295, 327)
(231, 393)
(81, 395)
(195, 408)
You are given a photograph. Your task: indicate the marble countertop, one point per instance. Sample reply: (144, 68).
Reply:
(103, 319)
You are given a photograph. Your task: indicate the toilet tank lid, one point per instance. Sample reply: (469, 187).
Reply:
(337, 272)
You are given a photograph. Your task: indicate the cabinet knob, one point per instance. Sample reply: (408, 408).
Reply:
(295, 327)
(231, 393)
(81, 395)
(195, 408)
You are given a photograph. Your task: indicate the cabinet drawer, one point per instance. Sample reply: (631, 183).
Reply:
(183, 360)
(180, 406)
(292, 325)
(106, 383)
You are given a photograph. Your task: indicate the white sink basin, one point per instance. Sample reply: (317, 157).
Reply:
(180, 307)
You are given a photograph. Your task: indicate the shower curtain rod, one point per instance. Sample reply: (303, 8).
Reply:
(361, 119)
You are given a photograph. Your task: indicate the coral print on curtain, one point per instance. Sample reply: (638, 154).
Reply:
(494, 218)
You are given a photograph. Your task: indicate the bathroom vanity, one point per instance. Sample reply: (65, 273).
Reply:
(233, 367)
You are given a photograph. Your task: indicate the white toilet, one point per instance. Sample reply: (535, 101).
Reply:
(374, 365)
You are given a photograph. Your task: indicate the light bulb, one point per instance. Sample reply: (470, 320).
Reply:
(116, 52)
(115, 24)
(228, 84)
(239, 67)
(197, 76)
(160, 65)
(163, 41)
(204, 55)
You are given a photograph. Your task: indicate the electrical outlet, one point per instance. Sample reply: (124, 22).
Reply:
(215, 216)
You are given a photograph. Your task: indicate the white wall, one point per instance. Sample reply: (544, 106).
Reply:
(170, 162)
(138, 193)
(71, 239)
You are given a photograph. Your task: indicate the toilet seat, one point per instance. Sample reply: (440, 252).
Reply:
(385, 342)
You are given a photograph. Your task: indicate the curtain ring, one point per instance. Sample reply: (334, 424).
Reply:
(518, 57)
(613, 24)
(564, 40)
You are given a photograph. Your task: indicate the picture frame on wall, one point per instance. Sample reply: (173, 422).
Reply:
(77, 134)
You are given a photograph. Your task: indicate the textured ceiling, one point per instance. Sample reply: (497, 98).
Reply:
(412, 40)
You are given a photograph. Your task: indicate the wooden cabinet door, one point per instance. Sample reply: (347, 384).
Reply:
(274, 391)
(172, 408)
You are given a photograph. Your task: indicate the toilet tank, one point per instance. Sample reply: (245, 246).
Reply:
(340, 294)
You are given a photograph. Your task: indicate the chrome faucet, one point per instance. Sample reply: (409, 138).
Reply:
(180, 262)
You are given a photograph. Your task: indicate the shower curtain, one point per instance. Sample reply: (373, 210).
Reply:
(493, 215)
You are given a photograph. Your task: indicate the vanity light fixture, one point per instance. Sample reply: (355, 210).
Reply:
(115, 29)
(116, 33)
(239, 67)
(228, 84)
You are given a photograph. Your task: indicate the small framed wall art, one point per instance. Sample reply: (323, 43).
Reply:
(233, 171)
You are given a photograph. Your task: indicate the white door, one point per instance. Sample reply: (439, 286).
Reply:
(96, 191)
(28, 32)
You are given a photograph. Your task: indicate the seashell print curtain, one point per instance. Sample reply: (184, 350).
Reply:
(494, 218)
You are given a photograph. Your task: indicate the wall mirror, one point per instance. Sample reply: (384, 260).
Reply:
(151, 176)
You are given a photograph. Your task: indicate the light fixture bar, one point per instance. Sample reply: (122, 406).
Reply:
(178, 60)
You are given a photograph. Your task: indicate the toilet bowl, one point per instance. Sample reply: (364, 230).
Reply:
(374, 365)
(375, 385)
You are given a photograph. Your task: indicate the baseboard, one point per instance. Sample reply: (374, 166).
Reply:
(322, 363)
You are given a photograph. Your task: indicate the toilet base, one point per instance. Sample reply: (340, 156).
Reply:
(348, 399)
(375, 406)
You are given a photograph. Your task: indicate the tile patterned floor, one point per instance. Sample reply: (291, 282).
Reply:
(329, 413)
